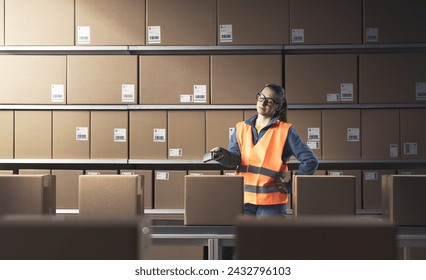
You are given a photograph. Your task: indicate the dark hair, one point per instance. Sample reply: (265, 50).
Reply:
(280, 93)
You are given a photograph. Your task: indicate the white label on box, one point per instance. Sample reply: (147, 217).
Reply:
(175, 152)
(154, 34)
(225, 33)
(347, 92)
(333, 97)
(186, 98)
(420, 91)
(58, 92)
(353, 134)
(406, 172)
(371, 176)
(195, 174)
(336, 173)
(229, 173)
(120, 135)
(159, 135)
(127, 93)
(127, 173)
(83, 34)
(81, 133)
(162, 175)
(393, 150)
(410, 149)
(298, 35)
(371, 34)
(231, 131)
(314, 134)
(200, 93)
(313, 145)
(93, 173)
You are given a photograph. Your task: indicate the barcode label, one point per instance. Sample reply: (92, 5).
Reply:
(81, 133)
(57, 92)
(393, 150)
(200, 93)
(225, 33)
(120, 134)
(371, 34)
(154, 34)
(313, 145)
(346, 92)
(127, 173)
(371, 176)
(127, 93)
(175, 152)
(159, 135)
(420, 91)
(93, 173)
(298, 35)
(410, 149)
(336, 173)
(353, 134)
(83, 34)
(333, 97)
(186, 98)
(314, 134)
(231, 131)
(162, 175)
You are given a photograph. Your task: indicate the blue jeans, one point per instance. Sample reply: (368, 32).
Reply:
(265, 210)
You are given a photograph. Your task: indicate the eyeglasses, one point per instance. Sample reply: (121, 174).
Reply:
(261, 98)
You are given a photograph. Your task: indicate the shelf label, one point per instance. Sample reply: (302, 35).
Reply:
(162, 175)
(231, 131)
(371, 176)
(57, 93)
(347, 92)
(353, 134)
(410, 149)
(127, 93)
(186, 98)
(336, 173)
(200, 93)
(298, 35)
(333, 97)
(393, 150)
(225, 33)
(120, 134)
(159, 135)
(154, 34)
(420, 91)
(81, 133)
(371, 34)
(83, 34)
(313, 145)
(175, 152)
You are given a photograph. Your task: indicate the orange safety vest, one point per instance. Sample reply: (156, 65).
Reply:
(261, 164)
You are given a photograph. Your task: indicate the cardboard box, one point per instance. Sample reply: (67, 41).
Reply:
(321, 78)
(380, 25)
(224, 194)
(220, 125)
(249, 113)
(413, 142)
(102, 79)
(1, 22)
(204, 172)
(402, 199)
(27, 195)
(109, 22)
(147, 185)
(180, 252)
(341, 133)
(6, 172)
(67, 188)
(71, 134)
(101, 172)
(325, 22)
(6, 137)
(235, 79)
(358, 182)
(33, 134)
(324, 195)
(110, 195)
(169, 189)
(187, 135)
(392, 78)
(43, 22)
(174, 79)
(184, 22)
(109, 135)
(380, 133)
(371, 188)
(260, 22)
(34, 172)
(30, 79)
(411, 171)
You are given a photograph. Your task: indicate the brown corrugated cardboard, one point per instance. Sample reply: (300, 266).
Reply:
(324, 195)
(235, 79)
(30, 79)
(204, 172)
(380, 25)
(174, 79)
(42, 22)
(358, 181)
(180, 252)
(341, 133)
(6, 172)
(109, 22)
(109, 135)
(102, 79)
(101, 172)
(380, 134)
(413, 142)
(71, 134)
(1, 22)
(110, 195)
(222, 193)
(261, 22)
(371, 188)
(27, 194)
(321, 78)
(147, 185)
(67, 188)
(169, 189)
(392, 78)
(33, 134)
(220, 125)
(6, 137)
(34, 172)
(184, 22)
(187, 134)
(249, 113)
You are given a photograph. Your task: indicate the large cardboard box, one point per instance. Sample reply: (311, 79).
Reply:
(380, 133)
(413, 142)
(71, 134)
(235, 79)
(392, 78)
(249, 113)
(147, 185)
(187, 134)
(403, 199)
(67, 188)
(358, 181)
(27, 194)
(34, 172)
(325, 22)
(1, 22)
(42, 22)
(371, 188)
(109, 135)
(321, 78)
(341, 133)
(148, 134)
(324, 195)
(6, 172)
(176, 252)
(245, 22)
(110, 22)
(204, 172)
(224, 194)
(110, 195)
(33, 134)
(174, 79)
(220, 125)
(6, 137)
(380, 25)
(101, 172)
(184, 22)
(102, 79)
(30, 79)
(169, 189)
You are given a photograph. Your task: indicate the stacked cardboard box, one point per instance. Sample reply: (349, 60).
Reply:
(6, 137)
(169, 189)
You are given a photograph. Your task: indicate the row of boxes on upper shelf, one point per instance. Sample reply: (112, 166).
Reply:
(211, 22)
(187, 134)
(211, 79)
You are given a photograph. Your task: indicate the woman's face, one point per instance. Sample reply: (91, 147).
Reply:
(267, 103)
